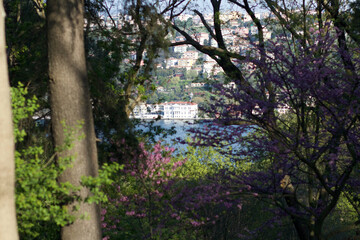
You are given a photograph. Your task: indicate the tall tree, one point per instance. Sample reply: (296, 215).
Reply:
(122, 49)
(305, 145)
(70, 106)
(8, 226)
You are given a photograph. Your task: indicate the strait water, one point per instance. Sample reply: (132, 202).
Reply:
(180, 129)
(176, 130)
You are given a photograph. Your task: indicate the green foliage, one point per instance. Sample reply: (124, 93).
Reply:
(203, 161)
(97, 184)
(40, 199)
(22, 108)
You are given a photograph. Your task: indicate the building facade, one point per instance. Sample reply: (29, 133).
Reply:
(180, 110)
(168, 110)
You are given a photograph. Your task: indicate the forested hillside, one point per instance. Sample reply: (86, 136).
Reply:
(277, 158)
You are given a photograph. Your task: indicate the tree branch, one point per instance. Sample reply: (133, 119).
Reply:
(206, 25)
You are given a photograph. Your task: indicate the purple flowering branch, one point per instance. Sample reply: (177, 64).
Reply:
(311, 151)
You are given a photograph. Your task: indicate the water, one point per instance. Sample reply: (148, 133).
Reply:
(180, 129)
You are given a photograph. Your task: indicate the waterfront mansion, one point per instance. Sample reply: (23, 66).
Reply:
(167, 110)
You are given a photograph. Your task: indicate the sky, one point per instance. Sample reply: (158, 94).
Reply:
(203, 6)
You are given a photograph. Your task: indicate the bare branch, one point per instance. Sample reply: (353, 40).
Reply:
(39, 7)
(205, 24)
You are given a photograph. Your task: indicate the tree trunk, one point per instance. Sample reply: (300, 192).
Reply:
(8, 226)
(70, 105)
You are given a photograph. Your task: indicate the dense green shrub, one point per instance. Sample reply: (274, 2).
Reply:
(40, 199)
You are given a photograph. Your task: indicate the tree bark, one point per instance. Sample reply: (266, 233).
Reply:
(8, 225)
(70, 104)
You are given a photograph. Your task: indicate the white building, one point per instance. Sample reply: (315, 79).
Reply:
(198, 84)
(171, 62)
(180, 48)
(230, 85)
(180, 110)
(186, 63)
(148, 111)
(170, 110)
(191, 54)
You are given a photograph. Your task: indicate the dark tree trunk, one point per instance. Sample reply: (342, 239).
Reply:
(70, 105)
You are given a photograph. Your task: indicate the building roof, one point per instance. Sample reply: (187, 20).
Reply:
(180, 103)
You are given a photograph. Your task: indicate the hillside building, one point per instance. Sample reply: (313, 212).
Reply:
(180, 110)
(168, 110)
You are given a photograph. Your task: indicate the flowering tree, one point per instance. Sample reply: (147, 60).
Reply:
(309, 154)
(139, 205)
(296, 98)
(161, 196)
